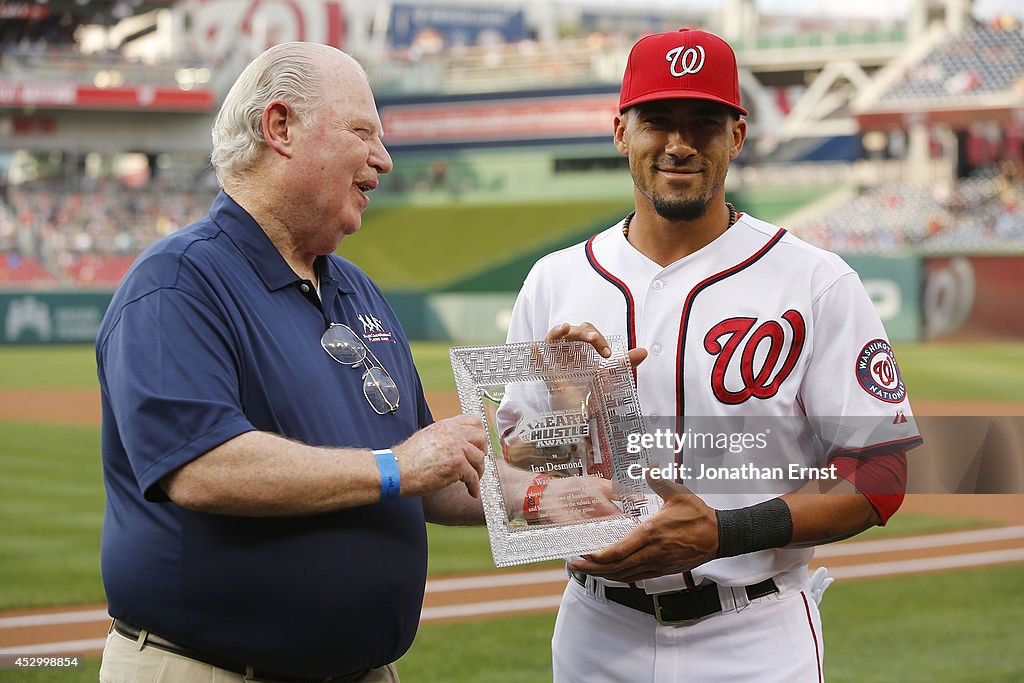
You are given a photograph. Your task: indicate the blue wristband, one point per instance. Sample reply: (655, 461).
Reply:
(390, 479)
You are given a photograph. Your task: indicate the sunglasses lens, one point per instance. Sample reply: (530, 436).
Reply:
(380, 390)
(343, 345)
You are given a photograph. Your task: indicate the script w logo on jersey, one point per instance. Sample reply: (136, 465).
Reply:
(758, 375)
(685, 61)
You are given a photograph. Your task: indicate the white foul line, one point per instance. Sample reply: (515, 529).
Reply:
(928, 564)
(68, 647)
(493, 607)
(890, 545)
(559, 576)
(79, 617)
(497, 580)
(550, 602)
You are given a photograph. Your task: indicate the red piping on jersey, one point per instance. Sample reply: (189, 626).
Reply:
(621, 286)
(810, 622)
(687, 305)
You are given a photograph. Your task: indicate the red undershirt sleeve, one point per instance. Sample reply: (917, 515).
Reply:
(881, 478)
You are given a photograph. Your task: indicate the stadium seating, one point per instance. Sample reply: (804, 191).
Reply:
(982, 213)
(99, 270)
(86, 232)
(18, 271)
(982, 59)
(89, 235)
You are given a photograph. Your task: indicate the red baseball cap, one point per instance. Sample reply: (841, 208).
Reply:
(687, 64)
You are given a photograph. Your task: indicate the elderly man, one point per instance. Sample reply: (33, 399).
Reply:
(742, 321)
(268, 454)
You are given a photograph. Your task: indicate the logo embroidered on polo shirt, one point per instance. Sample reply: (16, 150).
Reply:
(373, 328)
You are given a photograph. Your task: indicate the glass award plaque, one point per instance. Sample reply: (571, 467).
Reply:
(559, 478)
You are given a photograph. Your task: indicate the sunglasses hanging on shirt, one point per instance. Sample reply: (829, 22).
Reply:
(342, 344)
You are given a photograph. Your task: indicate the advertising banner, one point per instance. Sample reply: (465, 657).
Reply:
(454, 25)
(974, 298)
(51, 318)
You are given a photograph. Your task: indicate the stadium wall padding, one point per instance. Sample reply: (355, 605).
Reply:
(972, 298)
(51, 317)
(894, 285)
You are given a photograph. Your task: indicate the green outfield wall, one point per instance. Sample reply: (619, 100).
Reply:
(51, 317)
(895, 286)
(964, 297)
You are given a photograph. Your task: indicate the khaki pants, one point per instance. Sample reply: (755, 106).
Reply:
(124, 661)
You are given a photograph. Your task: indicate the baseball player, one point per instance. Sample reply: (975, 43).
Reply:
(739, 319)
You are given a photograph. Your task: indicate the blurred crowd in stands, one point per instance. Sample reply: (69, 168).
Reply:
(86, 232)
(982, 59)
(979, 214)
(33, 35)
(87, 236)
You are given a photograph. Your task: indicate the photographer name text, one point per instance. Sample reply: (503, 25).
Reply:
(745, 472)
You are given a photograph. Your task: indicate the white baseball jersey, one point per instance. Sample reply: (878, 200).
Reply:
(758, 323)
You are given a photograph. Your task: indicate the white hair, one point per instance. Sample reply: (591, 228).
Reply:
(286, 72)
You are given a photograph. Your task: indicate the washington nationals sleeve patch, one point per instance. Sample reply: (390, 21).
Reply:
(878, 373)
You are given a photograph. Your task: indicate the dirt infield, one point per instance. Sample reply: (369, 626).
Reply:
(81, 629)
(79, 407)
(82, 406)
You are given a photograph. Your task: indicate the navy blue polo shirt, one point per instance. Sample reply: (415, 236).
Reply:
(209, 336)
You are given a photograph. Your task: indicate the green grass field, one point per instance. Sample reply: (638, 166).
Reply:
(411, 247)
(51, 496)
(51, 507)
(957, 626)
(981, 370)
(917, 629)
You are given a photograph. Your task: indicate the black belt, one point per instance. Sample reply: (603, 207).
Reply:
(677, 606)
(153, 640)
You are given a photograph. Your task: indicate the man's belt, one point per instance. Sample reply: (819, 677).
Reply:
(153, 640)
(678, 606)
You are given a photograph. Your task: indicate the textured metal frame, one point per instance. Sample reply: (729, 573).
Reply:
(614, 410)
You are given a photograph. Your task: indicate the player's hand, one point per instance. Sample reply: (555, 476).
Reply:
(586, 332)
(680, 536)
(445, 452)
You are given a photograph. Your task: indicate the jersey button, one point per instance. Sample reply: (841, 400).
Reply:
(656, 349)
(658, 284)
(304, 288)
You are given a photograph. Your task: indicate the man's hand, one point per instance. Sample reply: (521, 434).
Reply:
(680, 536)
(445, 452)
(586, 332)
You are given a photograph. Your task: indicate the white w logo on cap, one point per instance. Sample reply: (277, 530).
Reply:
(688, 61)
